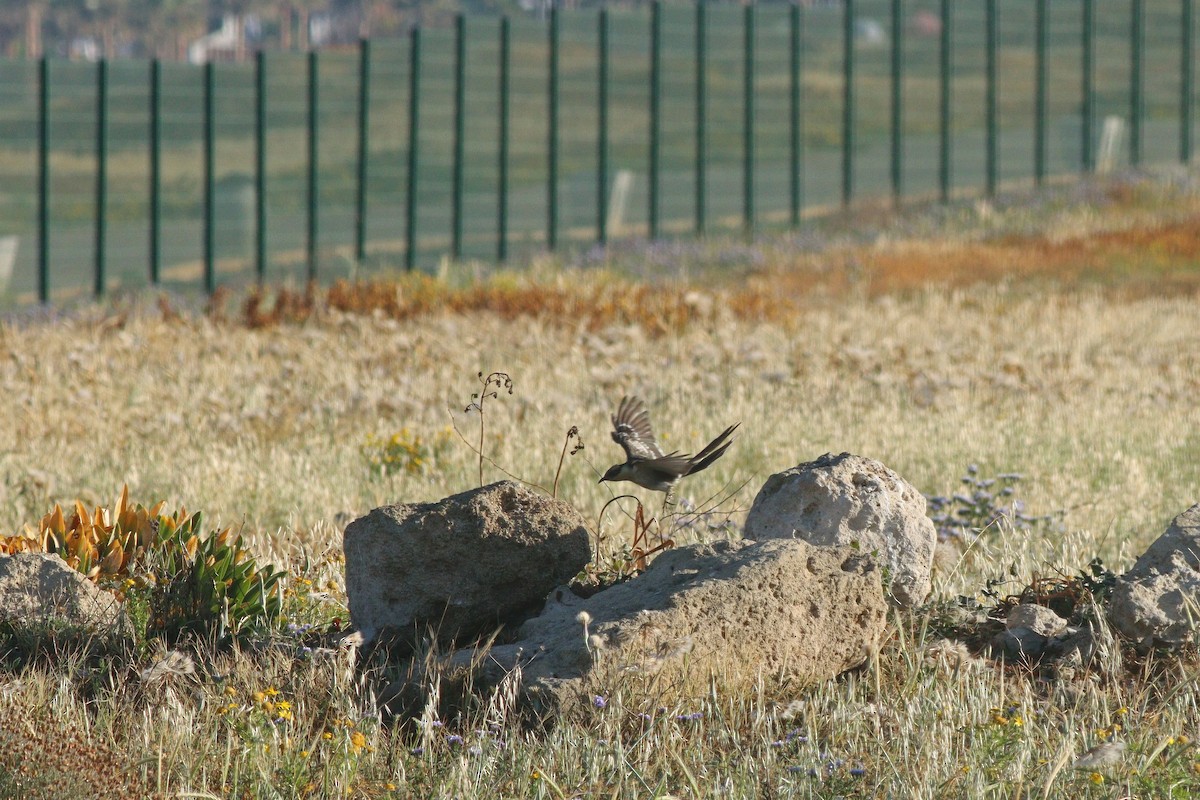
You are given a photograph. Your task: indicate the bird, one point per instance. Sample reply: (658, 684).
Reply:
(645, 462)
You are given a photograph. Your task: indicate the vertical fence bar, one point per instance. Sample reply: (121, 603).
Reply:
(848, 103)
(101, 222)
(602, 130)
(155, 147)
(552, 145)
(655, 111)
(314, 188)
(897, 162)
(701, 114)
(796, 143)
(460, 131)
(414, 127)
(364, 149)
(945, 84)
(43, 200)
(1137, 41)
(210, 230)
(1186, 68)
(1088, 69)
(502, 145)
(992, 134)
(748, 118)
(1039, 92)
(260, 166)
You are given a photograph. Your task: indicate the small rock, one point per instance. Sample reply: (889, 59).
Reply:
(41, 588)
(848, 500)
(1018, 644)
(1036, 618)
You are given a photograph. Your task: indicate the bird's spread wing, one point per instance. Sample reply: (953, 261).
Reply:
(631, 430)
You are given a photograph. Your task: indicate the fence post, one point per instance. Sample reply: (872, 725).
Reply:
(101, 174)
(210, 273)
(945, 80)
(502, 145)
(990, 97)
(655, 110)
(602, 130)
(897, 165)
(796, 144)
(1088, 69)
(43, 157)
(848, 103)
(313, 184)
(260, 166)
(552, 145)
(1137, 35)
(701, 113)
(1185, 84)
(460, 129)
(748, 119)
(364, 149)
(155, 146)
(414, 120)
(1039, 89)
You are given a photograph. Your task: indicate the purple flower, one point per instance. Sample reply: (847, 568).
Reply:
(454, 738)
(599, 701)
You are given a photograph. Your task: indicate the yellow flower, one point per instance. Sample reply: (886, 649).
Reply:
(230, 691)
(259, 697)
(327, 735)
(357, 740)
(1096, 778)
(271, 691)
(391, 787)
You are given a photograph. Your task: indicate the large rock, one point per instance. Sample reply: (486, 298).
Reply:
(854, 501)
(1157, 602)
(39, 588)
(739, 609)
(461, 565)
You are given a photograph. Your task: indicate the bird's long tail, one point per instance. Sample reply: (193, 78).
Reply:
(713, 450)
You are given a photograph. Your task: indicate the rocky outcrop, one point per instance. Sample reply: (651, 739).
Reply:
(780, 608)
(848, 500)
(460, 566)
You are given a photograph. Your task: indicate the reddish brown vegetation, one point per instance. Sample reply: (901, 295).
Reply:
(1164, 259)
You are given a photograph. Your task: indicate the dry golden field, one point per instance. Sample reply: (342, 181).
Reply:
(1064, 348)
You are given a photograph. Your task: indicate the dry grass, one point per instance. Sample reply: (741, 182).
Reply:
(1087, 391)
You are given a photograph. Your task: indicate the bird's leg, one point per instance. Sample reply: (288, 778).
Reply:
(668, 501)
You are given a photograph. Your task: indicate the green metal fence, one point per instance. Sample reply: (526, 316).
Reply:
(498, 138)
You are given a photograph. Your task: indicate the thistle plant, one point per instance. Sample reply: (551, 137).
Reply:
(492, 385)
(980, 505)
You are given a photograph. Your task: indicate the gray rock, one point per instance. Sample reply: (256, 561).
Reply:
(1074, 648)
(1157, 602)
(1036, 618)
(462, 565)
(1018, 644)
(849, 500)
(39, 588)
(735, 609)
